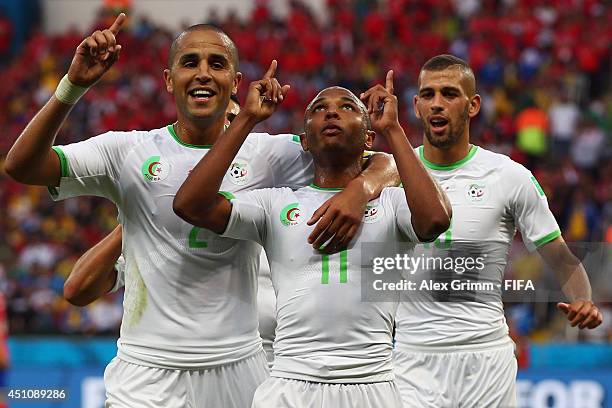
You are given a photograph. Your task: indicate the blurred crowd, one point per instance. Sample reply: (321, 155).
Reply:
(543, 70)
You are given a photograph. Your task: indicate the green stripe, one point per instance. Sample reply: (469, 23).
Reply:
(63, 161)
(547, 238)
(312, 185)
(451, 166)
(343, 274)
(227, 195)
(325, 269)
(194, 242)
(538, 186)
(296, 139)
(179, 141)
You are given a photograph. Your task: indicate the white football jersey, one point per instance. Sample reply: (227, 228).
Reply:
(491, 196)
(325, 332)
(190, 295)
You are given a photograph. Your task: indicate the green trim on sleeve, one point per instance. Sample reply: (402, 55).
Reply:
(296, 139)
(63, 161)
(227, 195)
(538, 186)
(451, 166)
(179, 141)
(547, 238)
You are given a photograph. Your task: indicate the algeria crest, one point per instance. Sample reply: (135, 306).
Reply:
(290, 215)
(155, 169)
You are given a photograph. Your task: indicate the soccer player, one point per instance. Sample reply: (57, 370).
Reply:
(459, 354)
(101, 270)
(331, 349)
(189, 329)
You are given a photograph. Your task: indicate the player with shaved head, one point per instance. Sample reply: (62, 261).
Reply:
(331, 348)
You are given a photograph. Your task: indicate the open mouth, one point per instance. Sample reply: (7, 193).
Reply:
(438, 123)
(201, 94)
(331, 130)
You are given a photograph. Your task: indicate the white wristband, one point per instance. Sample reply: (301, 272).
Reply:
(68, 92)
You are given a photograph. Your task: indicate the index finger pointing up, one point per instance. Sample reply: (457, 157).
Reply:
(271, 71)
(389, 82)
(116, 26)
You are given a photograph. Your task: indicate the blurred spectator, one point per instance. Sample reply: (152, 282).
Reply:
(588, 145)
(532, 128)
(564, 116)
(582, 219)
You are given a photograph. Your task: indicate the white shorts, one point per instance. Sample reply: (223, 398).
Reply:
(482, 377)
(229, 386)
(286, 393)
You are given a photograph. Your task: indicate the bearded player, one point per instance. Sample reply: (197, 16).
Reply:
(459, 354)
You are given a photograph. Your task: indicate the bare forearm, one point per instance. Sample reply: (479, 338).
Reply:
(570, 272)
(94, 273)
(198, 194)
(379, 172)
(430, 208)
(31, 159)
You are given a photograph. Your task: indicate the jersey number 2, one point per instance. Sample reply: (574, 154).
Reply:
(194, 242)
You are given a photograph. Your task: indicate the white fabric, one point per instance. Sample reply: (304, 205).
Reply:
(230, 386)
(120, 279)
(285, 393)
(325, 332)
(190, 296)
(481, 377)
(266, 308)
(509, 199)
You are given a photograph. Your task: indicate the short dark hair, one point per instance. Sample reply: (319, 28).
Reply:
(204, 27)
(446, 61)
(358, 102)
(441, 62)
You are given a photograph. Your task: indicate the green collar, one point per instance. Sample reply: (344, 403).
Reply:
(179, 141)
(312, 185)
(451, 166)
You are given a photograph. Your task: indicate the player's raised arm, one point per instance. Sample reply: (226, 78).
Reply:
(31, 159)
(197, 201)
(431, 211)
(94, 274)
(580, 311)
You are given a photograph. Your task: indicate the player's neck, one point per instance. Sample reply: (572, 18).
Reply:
(335, 176)
(444, 157)
(199, 134)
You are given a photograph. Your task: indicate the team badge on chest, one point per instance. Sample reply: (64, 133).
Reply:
(290, 215)
(476, 192)
(155, 169)
(371, 214)
(239, 172)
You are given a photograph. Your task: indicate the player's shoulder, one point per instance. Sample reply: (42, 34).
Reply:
(267, 140)
(131, 136)
(391, 191)
(500, 162)
(275, 193)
